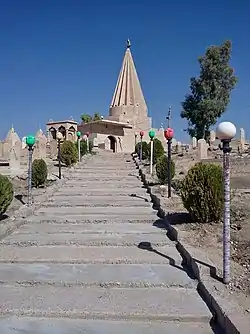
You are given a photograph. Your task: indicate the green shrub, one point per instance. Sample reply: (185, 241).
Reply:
(202, 192)
(158, 150)
(83, 147)
(162, 169)
(144, 149)
(69, 153)
(6, 193)
(39, 173)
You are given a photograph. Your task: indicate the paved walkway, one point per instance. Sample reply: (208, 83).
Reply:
(75, 266)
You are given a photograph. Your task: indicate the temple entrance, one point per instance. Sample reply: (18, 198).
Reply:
(112, 143)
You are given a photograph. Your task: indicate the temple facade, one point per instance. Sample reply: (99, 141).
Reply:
(128, 115)
(128, 112)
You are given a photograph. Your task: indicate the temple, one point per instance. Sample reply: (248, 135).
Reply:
(128, 114)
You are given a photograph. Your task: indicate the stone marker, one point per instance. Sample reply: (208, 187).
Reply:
(212, 136)
(15, 158)
(242, 139)
(202, 149)
(194, 142)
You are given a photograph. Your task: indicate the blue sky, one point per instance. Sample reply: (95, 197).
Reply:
(62, 58)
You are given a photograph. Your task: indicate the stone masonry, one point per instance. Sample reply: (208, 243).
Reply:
(75, 265)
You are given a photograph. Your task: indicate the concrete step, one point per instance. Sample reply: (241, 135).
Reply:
(90, 228)
(96, 239)
(89, 254)
(93, 218)
(107, 166)
(83, 198)
(104, 210)
(14, 325)
(103, 201)
(93, 171)
(116, 303)
(103, 275)
(106, 178)
(101, 191)
(109, 183)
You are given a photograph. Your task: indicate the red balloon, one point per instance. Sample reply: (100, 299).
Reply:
(87, 134)
(169, 133)
(141, 133)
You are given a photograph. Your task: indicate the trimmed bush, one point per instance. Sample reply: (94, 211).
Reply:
(202, 192)
(39, 173)
(144, 149)
(162, 169)
(6, 194)
(83, 147)
(69, 153)
(158, 150)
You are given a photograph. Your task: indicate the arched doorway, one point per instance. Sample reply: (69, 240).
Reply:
(112, 143)
(52, 132)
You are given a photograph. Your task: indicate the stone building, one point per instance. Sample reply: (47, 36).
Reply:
(128, 115)
(68, 128)
(128, 112)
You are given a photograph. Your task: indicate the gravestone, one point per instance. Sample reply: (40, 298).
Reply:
(40, 150)
(202, 149)
(194, 142)
(15, 159)
(242, 139)
(212, 136)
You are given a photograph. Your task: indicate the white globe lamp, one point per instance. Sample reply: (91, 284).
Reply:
(226, 131)
(59, 135)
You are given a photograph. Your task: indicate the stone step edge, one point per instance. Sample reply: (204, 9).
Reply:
(24, 244)
(143, 284)
(84, 261)
(44, 219)
(106, 316)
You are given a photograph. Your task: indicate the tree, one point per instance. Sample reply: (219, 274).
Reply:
(97, 116)
(86, 118)
(210, 92)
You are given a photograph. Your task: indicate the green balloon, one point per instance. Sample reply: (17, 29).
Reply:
(151, 134)
(30, 140)
(78, 134)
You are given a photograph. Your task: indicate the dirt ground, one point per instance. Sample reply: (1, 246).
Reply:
(20, 186)
(209, 236)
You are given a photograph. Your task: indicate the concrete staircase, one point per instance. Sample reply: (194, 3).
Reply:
(75, 266)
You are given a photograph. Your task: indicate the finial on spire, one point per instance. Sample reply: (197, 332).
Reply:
(128, 44)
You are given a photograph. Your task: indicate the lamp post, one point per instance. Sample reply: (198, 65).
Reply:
(30, 141)
(59, 137)
(169, 134)
(78, 144)
(87, 136)
(141, 136)
(151, 136)
(226, 131)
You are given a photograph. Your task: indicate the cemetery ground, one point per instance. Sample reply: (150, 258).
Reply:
(20, 186)
(208, 237)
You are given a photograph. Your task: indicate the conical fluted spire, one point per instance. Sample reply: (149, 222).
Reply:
(128, 90)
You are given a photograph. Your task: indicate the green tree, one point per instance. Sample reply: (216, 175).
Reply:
(97, 116)
(86, 118)
(210, 92)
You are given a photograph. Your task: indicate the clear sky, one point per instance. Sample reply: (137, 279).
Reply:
(62, 58)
